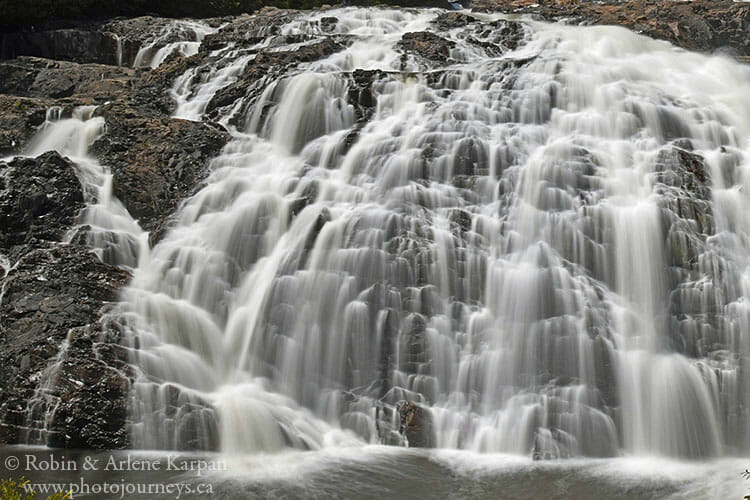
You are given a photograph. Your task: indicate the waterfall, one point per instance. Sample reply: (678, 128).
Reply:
(180, 37)
(104, 225)
(118, 49)
(108, 227)
(540, 238)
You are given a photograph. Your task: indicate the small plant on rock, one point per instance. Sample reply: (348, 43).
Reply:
(12, 490)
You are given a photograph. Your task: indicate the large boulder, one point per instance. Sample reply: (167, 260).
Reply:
(19, 120)
(39, 200)
(415, 425)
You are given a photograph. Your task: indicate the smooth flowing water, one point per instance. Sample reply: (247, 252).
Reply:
(376, 472)
(541, 237)
(109, 228)
(544, 242)
(180, 38)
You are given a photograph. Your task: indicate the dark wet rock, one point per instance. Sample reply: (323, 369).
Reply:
(505, 34)
(19, 119)
(682, 178)
(43, 300)
(461, 218)
(150, 94)
(49, 294)
(247, 30)
(96, 41)
(703, 25)
(677, 166)
(51, 290)
(39, 199)
(36, 77)
(91, 393)
(450, 20)
(427, 45)
(496, 38)
(156, 161)
(360, 92)
(328, 24)
(83, 44)
(415, 424)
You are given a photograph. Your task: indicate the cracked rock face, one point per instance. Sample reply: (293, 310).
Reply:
(44, 78)
(52, 300)
(39, 200)
(50, 290)
(415, 424)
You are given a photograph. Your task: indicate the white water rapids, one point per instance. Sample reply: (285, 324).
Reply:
(547, 247)
(180, 37)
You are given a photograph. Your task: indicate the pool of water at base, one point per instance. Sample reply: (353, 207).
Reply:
(371, 472)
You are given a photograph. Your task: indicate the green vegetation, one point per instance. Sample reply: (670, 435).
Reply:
(11, 490)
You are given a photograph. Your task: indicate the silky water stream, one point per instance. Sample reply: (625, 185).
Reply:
(540, 238)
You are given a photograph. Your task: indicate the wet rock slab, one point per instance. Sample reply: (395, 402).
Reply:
(36, 77)
(39, 200)
(49, 293)
(156, 161)
(50, 290)
(19, 119)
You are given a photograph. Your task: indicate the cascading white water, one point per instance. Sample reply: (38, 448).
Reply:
(180, 37)
(515, 239)
(109, 228)
(118, 49)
